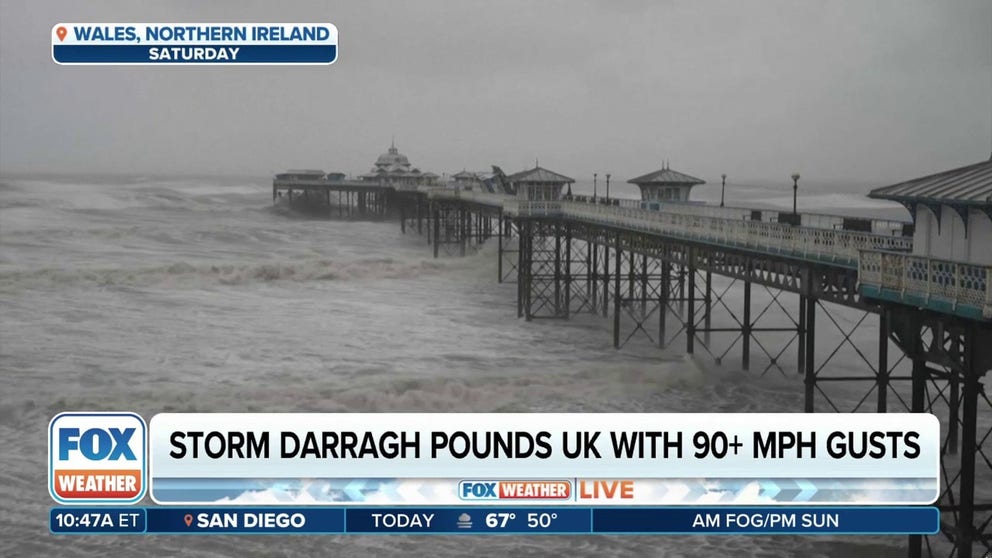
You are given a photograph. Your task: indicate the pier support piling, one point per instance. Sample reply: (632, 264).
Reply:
(616, 294)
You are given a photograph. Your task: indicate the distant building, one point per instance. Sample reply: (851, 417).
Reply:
(665, 185)
(539, 184)
(951, 210)
(392, 167)
(466, 180)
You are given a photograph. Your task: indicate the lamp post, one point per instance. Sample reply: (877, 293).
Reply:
(795, 191)
(607, 187)
(723, 187)
(594, 178)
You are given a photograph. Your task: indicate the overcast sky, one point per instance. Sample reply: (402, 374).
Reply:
(852, 90)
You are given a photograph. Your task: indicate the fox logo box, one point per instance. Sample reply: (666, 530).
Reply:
(96, 458)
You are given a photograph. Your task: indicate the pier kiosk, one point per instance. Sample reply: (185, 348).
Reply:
(665, 185)
(936, 305)
(539, 184)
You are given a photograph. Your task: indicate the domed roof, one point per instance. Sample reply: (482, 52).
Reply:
(391, 158)
(392, 162)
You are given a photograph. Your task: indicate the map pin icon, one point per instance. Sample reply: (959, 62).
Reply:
(61, 32)
(188, 518)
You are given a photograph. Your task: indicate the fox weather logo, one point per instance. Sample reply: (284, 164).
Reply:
(96, 458)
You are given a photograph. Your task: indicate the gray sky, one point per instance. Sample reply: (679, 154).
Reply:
(850, 90)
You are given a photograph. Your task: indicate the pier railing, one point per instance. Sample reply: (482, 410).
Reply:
(806, 219)
(812, 220)
(949, 286)
(828, 245)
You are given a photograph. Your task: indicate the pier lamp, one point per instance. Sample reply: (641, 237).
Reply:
(607, 186)
(723, 187)
(594, 178)
(795, 191)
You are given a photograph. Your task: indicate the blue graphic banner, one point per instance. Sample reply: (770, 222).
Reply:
(475, 520)
(194, 43)
(227, 54)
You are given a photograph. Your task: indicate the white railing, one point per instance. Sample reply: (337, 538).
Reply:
(957, 283)
(840, 246)
(815, 220)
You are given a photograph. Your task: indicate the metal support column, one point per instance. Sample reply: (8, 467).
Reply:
(746, 323)
(918, 404)
(606, 279)
(882, 380)
(568, 269)
(464, 226)
(591, 272)
(527, 269)
(616, 296)
(809, 379)
(644, 284)
(557, 277)
(690, 323)
(499, 241)
(953, 405)
(666, 270)
(631, 276)
(435, 211)
(969, 444)
(521, 274)
(708, 305)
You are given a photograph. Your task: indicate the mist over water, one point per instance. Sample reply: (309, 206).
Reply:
(186, 295)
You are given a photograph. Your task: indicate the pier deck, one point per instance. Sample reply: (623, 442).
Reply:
(652, 269)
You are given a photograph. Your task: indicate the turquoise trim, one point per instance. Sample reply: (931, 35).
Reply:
(920, 300)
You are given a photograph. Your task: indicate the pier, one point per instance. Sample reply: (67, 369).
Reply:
(662, 271)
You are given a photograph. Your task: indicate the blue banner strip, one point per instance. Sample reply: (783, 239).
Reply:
(475, 520)
(469, 520)
(195, 54)
(259, 521)
(769, 520)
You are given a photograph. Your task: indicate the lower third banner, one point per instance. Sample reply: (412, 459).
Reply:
(468, 520)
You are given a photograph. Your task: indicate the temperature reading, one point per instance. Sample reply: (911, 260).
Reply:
(499, 520)
(542, 520)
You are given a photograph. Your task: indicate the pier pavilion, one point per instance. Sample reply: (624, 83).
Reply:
(539, 184)
(394, 168)
(951, 210)
(665, 184)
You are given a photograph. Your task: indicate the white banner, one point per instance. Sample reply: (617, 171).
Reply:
(544, 446)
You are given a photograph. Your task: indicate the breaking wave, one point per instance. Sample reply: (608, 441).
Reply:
(183, 274)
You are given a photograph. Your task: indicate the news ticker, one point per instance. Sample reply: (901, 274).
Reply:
(194, 43)
(431, 459)
(497, 520)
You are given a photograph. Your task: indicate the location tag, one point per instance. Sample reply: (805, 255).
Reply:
(61, 32)
(188, 518)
